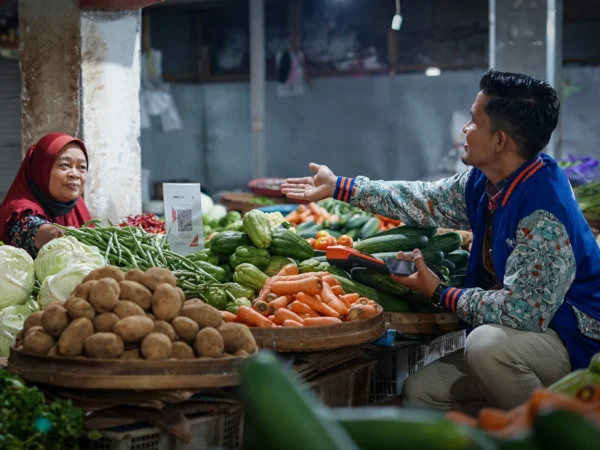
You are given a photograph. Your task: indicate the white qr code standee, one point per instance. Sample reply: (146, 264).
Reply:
(183, 217)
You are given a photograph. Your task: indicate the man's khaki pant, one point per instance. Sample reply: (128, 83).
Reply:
(499, 367)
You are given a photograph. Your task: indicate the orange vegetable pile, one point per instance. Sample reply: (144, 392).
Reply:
(310, 213)
(508, 424)
(324, 240)
(290, 299)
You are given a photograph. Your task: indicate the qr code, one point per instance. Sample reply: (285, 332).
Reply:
(184, 220)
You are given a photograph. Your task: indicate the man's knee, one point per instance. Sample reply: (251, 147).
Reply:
(486, 347)
(414, 389)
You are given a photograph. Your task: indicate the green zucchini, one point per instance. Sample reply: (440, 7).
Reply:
(449, 264)
(354, 233)
(460, 258)
(305, 226)
(378, 280)
(391, 244)
(408, 231)
(369, 228)
(431, 256)
(560, 429)
(337, 271)
(462, 271)
(457, 281)
(334, 233)
(306, 234)
(356, 222)
(447, 242)
(388, 302)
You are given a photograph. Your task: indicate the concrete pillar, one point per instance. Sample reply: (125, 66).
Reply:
(526, 37)
(81, 75)
(257, 86)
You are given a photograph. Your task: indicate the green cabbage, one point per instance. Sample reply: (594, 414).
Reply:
(11, 322)
(58, 254)
(17, 276)
(61, 286)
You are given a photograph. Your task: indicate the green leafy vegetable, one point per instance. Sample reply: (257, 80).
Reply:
(17, 275)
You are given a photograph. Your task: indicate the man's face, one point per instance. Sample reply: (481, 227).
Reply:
(479, 140)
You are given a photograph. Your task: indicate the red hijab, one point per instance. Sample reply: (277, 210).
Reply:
(37, 167)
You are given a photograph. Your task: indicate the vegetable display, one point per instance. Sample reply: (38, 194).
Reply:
(17, 276)
(133, 315)
(150, 223)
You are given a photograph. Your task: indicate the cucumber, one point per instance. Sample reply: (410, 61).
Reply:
(460, 258)
(354, 233)
(356, 222)
(457, 281)
(447, 242)
(293, 424)
(378, 280)
(393, 428)
(449, 264)
(560, 429)
(391, 244)
(462, 271)
(522, 441)
(320, 258)
(333, 270)
(310, 233)
(305, 226)
(408, 231)
(388, 302)
(369, 228)
(431, 256)
(334, 233)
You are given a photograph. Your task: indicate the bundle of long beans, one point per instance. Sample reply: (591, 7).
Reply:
(133, 248)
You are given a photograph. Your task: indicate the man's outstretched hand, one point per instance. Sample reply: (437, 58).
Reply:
(313, 189)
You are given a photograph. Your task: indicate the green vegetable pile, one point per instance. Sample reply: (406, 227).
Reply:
(215, 224)
(588, 196)
(29, 422)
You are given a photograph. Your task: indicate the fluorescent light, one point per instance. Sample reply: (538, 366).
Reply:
(433, 72)
(396, 22)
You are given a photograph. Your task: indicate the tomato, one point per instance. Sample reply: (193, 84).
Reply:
(322, 233)
(345, 240)
(312, 242)
(330, 241)
(322, 243)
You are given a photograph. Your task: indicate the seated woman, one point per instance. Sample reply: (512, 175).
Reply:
(47, 190)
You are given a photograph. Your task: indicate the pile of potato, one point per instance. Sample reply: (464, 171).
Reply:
(133, 315)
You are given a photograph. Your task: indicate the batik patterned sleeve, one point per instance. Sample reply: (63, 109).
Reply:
(538, 274)
(416, 203)
(21, 233)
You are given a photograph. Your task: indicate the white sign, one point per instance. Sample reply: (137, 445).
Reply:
(183, 217)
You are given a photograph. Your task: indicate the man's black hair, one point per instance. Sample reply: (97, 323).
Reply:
(524, 107)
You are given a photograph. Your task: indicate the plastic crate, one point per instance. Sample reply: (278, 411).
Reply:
(209, 432)
(394, 365)
(345, 387)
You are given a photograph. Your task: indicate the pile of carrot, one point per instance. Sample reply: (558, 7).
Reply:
(310, 213)
(291, 299)
(385, 223)
(507, 424)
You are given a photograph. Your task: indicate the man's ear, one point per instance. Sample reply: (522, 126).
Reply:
(501, 140)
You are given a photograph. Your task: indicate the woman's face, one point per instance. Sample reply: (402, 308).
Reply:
(69, 174)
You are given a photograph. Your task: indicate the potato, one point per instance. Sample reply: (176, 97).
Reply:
(55, 320)
(33, 320)
(105, 272)
(156, 276)
(151, 316)
(20, 337)
(104, 295)
(133, 328)
(237, 337)
(53, 351)
(209, 343)
(71, 340)
(136, 293)
(156, 346)
(227, 356)
(78, 307)
(185, 328)
(134, 353)
(193, 301)
(37, 342)
(125, 308)
(204, 315)
(105, 322)
(104, 345)
(160, 326)
(53, 303)
(35, 328)
(135, 275)
(181, 350)
(84, 289)
(181, 294)
(166, 303)
(241, 353)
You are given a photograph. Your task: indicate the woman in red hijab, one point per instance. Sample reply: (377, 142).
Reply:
(47, 190)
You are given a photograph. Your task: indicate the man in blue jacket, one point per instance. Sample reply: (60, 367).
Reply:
(532, 292)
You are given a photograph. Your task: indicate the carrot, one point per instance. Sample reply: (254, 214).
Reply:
(252, 318)
(544, 398)
(261, 307)
(358, 312)
(320, 321)
(305, 316)
(316, 210)
(330, 280)
(337, 290)
(363, 301)
(333, 301)
(305, 215)
(346, 304)
(318, 306)
(326, 294)
(271, 297)
(285, 314)
(227, 316)
(301, 208)
(266, 289)
(461, 418)
(290, 269)
(302, 276)
(350, 298)
(271, 317)
(311, 286)
(280, 302)
(291, 324)
(293, 217)
(302, 308)
(493, 419)
(326, 214)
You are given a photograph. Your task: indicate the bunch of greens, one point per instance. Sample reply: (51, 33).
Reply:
(29, 422)
(588, 196)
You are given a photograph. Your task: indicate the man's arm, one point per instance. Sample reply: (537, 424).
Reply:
(539, 272)
(416, 203)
